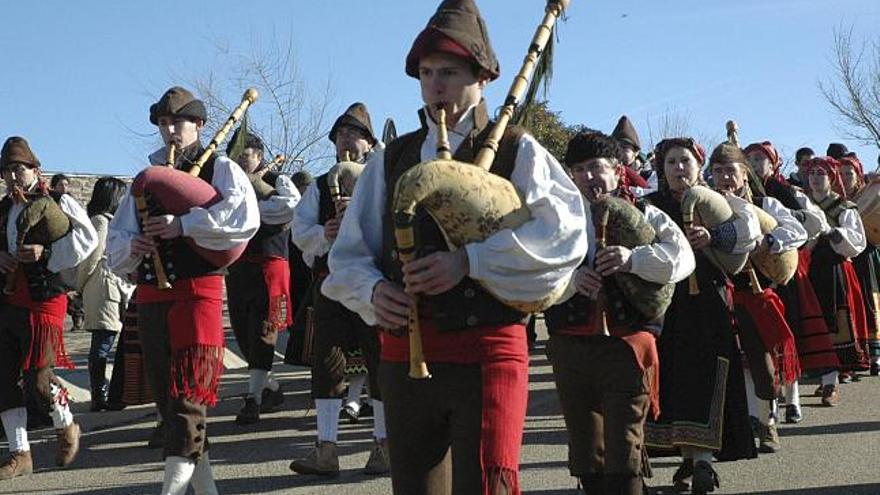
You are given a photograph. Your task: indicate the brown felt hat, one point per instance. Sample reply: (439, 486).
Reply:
(626, 133)
(457, 28)
(178, 102)
(355, 116)
(17, 150)
(727, 153)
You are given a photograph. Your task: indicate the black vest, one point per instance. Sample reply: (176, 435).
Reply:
(270, 240)
(326, 212)
(178, 257)
(466, 305)
(42, 283)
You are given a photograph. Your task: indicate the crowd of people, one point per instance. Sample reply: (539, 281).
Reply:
(671, 332)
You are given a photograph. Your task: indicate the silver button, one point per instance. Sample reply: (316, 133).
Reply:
(471, 320)
(469, 293)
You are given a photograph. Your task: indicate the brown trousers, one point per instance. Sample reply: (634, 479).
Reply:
(185, 421)
(15, 341)
(336, 330)
(604, 398)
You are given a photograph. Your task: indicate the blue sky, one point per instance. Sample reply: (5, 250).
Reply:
(78, 77)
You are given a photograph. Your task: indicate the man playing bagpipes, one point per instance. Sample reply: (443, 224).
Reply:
(180, 323)
(474, 346)
(258, 283)
(337, 330)
(832, 274)
(35, 302)
(803, 313)
(764, 335)
(602, 350)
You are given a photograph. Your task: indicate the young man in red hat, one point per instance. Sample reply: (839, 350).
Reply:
(475, 346)
(338, 330)
(181, 328)
(32, 314)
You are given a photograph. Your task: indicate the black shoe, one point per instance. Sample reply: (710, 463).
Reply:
(271, 400)
(100, 386)
(157, 437)
(349, 413)
(793, 414)
(250, 413)
(681, 477)
(705, 479)
(875, 369)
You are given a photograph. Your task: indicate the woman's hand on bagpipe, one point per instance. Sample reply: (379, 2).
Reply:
(436, 273)
(588, 282)
(29, 253)
(613, 259)
(163, 226)
(331, 228)
(699, 237)
(391, 305)
(142, 245)
(8, 263)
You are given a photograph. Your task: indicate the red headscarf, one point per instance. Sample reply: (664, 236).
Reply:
(767, 148)
(832, 167)
(663, 148)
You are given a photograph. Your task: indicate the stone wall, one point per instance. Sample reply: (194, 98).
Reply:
(80, 186)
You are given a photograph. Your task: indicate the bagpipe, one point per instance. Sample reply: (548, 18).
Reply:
(40, 222)
(262, 188)
(467, 202)
(175, 192)
(619, 223)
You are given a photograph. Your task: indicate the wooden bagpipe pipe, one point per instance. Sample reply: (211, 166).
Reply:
(467, 202)
(41, 222)
(174, 192)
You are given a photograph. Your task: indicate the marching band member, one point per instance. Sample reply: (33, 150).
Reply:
(475, 346)
(258, 283)
(181, 329)
(607, 383)
(32, 314)
(832, 273)
(760, 318)
(338, 329)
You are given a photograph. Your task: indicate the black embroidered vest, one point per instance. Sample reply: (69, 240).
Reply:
(466, 305)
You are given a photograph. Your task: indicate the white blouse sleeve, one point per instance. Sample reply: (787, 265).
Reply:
(853, 240)
(357, 251)
(75, 247)
(748, 230)
(231, 221)
(278, 209)
(670, 258)
(537, 258)
(789, 234)
(308, 234)
(123, 228)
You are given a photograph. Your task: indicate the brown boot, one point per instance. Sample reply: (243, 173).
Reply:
(16, 464)
(830, 396)
(68, 445)
(323, 461)
(769, 439)
(378, 463)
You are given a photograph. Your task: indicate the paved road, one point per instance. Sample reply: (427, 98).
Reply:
(834, 451)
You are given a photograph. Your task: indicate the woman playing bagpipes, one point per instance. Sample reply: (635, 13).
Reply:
(474, 346)
(179, 290)
(603, 349)
(702, 387)
(35, 302)
(802, 309)
(832, 274)
(764, 335)
(866, 264)
(335, 330)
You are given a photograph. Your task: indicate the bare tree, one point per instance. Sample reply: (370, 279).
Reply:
(291, 117)
(854, 90)
(675, 122)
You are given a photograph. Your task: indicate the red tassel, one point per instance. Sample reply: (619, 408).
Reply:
(499, 480)
(195, 373)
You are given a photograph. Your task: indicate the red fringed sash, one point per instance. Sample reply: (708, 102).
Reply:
(47, 326)
(195, 327)
(768, 313)
(276, 273)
